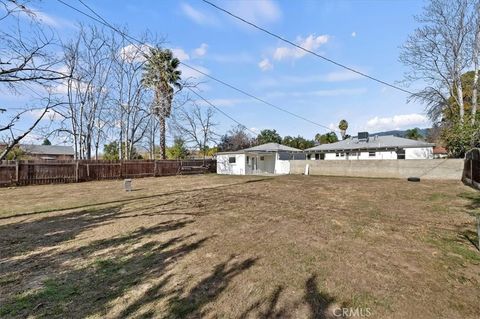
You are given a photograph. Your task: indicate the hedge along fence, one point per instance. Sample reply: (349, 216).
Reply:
(52, 172)
(471, 169)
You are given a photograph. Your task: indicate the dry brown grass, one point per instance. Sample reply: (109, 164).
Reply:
(240, 247)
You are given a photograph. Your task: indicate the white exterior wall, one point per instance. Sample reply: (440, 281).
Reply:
(225, 167)
(386, 155)
(281, 167)
(419, 153)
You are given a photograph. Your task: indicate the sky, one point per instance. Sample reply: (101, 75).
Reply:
(365, 35)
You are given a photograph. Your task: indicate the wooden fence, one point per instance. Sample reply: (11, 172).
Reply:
(471, 169)
(52, 172)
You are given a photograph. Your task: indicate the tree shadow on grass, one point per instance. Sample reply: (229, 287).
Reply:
(321, 305)
(24, 237)
(89, 289)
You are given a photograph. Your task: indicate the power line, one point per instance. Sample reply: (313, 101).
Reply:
(220, 110)
(132, 39)
(307, 50)
(105, 22)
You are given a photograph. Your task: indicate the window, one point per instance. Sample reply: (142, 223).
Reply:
(262, 158)
(372, 154)
(309, 156)
(337, 154)
(248, 160)
(232, 159)
(317, 156)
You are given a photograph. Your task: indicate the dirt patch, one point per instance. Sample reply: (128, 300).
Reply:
(240, 247)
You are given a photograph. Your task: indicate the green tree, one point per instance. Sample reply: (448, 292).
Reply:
(413, 134)
(110, 151)
(46, 142)
(327, 138)
(178, 150)
(343, 126)
(298, 142)
(162, 75)
(269, 136)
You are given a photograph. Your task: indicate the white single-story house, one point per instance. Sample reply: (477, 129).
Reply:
(270, 158)
(365, 147)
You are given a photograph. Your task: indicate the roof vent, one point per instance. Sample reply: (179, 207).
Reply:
(363, 136)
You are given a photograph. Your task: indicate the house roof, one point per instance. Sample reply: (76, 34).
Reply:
(271, 147)
(374, 142)
(268, 147)
(48, 149)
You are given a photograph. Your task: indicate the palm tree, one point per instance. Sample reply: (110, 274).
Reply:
(162, 75)
(343, 126)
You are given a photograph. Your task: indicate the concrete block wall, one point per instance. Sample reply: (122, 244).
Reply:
(451, 169)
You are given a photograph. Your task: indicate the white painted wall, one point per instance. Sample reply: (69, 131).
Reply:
(281, 167)
(419, 153)
(225, 167)
(267, 165)
(361, 156)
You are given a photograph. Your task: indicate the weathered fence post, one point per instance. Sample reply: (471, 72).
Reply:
(121, 169)
(478, 231)
(471, 171)
(17, 172)
(76, 171)
(88, 171)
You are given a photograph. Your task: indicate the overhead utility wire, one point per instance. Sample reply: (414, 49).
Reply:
(131, 38)
(307, 50)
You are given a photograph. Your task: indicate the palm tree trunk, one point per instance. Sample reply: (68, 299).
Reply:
(162, 137)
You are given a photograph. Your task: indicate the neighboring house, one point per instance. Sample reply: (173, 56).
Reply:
(48, 152)
(365, 147)
(270, 158)
(440, 152)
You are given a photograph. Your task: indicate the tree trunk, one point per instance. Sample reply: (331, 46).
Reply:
(460, 100)
(476, 48)
(162, 137)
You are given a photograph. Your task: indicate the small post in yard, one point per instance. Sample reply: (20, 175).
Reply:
(127, 184)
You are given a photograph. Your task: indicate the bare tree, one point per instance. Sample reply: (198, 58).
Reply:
(437, 53)
(196, 125)
(131, 98)
(26, 63)
(88, 59)
(475, 57)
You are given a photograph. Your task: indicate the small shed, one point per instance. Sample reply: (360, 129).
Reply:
(265, 159)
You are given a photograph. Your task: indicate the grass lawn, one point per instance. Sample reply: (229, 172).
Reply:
(240, 247)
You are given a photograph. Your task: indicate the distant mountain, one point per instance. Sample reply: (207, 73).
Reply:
(401, 133)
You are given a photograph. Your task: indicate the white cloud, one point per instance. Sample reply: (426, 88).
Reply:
(311, 43)
(201, 50)
(265, 65)
(196, 15)
(397, 122)
(265, 11)
(134, 53)
(180, 54)
(354, 34)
